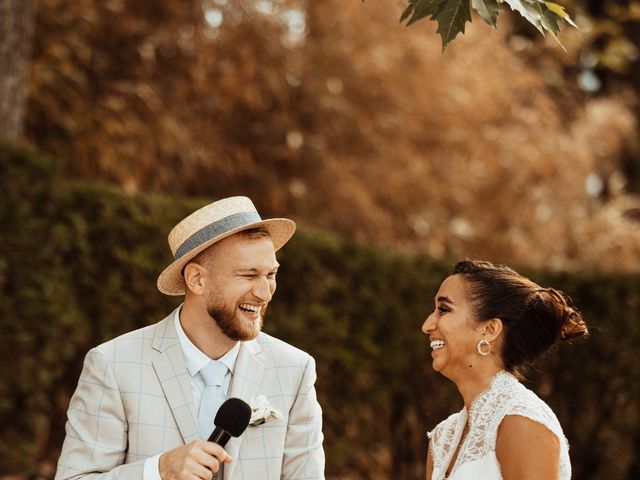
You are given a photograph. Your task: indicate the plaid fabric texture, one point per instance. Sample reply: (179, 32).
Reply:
(134, 401)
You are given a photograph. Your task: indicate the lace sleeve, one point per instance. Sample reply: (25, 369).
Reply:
(527, 404)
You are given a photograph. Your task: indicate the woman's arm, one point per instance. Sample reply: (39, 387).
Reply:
(527, 450)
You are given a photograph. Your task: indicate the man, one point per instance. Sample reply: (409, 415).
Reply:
(145, 403)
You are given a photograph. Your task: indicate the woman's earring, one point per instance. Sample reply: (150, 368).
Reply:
(482, 343)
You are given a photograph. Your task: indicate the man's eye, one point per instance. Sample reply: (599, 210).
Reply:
(442, 310)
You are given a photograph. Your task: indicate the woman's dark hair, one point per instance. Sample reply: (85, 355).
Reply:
(534, 318)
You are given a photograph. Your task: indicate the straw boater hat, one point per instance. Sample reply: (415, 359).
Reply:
(211, 224)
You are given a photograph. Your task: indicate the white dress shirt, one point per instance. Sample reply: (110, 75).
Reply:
(194, 360)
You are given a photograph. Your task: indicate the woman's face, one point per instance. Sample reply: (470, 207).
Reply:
(451, 329)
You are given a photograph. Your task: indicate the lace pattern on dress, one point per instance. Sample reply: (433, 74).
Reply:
(505, 396)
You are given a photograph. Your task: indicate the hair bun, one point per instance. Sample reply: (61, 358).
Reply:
(571, 324)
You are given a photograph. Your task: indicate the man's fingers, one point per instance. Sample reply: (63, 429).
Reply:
(217, 451)
(208, 461)
(197, 460)
(204, 473)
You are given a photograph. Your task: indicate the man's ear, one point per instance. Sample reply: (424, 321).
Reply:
(195, 278)
(492, 329)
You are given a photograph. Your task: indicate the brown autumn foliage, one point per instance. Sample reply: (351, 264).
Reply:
(353, 124)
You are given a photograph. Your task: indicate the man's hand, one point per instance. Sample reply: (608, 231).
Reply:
(197, 459)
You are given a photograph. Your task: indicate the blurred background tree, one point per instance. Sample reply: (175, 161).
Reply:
(334, 113)
(17, 18)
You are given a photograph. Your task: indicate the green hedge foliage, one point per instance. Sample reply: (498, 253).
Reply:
(78, 265)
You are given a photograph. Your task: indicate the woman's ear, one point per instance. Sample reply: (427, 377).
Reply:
(492, 329)
(194, 278)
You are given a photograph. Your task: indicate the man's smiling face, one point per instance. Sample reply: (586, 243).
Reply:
(243, 272)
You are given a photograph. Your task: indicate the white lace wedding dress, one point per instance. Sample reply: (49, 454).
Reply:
(477, 457)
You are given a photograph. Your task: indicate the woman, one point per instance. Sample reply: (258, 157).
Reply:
(488, 322)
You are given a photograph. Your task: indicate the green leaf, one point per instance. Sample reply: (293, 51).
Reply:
(452, 16)
(549, 19)
(559, 10)
(550, 23)
(488, 10)
(408, 11)
(419, 9)
(529, 10)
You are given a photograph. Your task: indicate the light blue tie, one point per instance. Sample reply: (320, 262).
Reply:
(213, 374)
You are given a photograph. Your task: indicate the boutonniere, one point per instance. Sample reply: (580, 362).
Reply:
(262, 411)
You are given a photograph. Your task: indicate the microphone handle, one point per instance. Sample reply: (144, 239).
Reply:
(219, 436)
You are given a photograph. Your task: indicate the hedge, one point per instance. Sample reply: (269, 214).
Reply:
(78, 265)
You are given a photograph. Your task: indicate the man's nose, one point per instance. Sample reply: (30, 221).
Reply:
(262, 289)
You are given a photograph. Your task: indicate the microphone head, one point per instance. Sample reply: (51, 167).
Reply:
(233, 416)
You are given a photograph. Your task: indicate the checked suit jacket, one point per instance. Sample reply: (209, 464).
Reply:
(134, 401)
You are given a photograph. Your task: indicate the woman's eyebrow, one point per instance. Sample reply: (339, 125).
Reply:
(443, 299)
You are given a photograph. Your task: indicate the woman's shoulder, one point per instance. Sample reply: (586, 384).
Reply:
(527, 403)
(510, 397)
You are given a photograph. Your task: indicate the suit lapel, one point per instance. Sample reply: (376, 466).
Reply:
(174, 378)
(246, 383)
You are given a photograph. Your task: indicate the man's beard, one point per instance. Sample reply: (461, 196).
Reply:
(237, 329)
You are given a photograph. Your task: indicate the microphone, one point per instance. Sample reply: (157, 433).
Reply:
(231, 420)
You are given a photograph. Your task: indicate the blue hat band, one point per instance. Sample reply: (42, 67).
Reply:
(216, 229)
